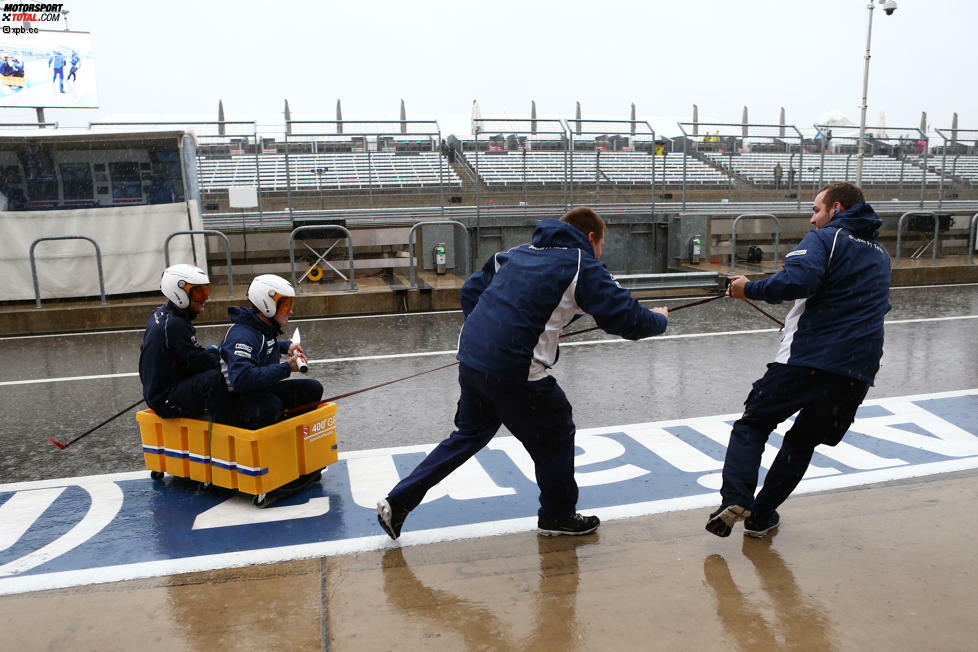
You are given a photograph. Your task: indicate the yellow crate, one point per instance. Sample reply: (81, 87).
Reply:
(251, 461)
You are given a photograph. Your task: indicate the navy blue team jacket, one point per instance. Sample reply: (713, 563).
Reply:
(170, 353)
(250, 353)
(516, 305)
(839, 277)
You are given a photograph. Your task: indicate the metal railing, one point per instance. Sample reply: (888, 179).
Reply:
(465, 231)
(673, 280)
(98, 261)
(227, 251)
(971, 239)
(937, 224)
(733, 236)
(317, 227)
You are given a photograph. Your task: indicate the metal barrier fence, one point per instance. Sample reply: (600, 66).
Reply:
(972, 243)
(894, 157)
(323, 227)
(227, 251)
(899, 238)
(465, 248)
(343, 164)
(955, 144)
(733, 236)
(98, 262)
(743, 160)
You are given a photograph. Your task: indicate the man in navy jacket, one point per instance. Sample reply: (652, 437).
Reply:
(250, 357)
(839, 277)
(515, 307)
(180, 377)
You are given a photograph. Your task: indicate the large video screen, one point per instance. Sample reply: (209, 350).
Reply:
(48, 69)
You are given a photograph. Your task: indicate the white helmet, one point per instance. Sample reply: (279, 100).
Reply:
(267, 290)
(180, 280)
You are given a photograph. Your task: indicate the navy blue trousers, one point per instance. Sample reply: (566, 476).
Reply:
(826, 404)
(259, 409)
(538, 415)
(191, 397)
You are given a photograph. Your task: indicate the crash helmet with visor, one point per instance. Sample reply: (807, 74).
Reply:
(271, 294)
(183, 284)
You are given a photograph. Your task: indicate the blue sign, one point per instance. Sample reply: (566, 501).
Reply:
(58, 533)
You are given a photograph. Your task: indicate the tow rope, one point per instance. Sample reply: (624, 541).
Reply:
(303, 408)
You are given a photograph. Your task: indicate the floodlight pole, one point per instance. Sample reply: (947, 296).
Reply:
(862, 111)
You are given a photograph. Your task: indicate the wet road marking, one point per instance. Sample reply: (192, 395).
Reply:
(76, 531)
(426, 354)
(303, 320)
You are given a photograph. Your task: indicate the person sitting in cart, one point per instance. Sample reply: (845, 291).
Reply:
(250, 357)
(180, 377)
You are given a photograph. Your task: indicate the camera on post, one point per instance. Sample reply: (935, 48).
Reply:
(889, 6)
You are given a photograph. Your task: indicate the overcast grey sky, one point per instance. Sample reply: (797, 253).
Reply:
(175, 59)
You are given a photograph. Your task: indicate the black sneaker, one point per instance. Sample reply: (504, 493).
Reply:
(721, 521)
(391, 517)
(758, 526)
(573, 525)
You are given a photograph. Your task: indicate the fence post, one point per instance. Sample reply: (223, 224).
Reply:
(309, 227)
(733, 237)
(98, 261)
(227, 251)
(414, 283)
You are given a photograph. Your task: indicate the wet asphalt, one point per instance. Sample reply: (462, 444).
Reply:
(704, 365)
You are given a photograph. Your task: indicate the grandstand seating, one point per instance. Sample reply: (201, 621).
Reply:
(619, 167)
(381, 170)
(966, 167)
(758, 168)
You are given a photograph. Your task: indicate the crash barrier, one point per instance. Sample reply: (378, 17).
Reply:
(227, 251)
(677, 280)
(255, 462)
(322, 227)
(98, 261)
(465, 248)
(733, 236)
(911, 214)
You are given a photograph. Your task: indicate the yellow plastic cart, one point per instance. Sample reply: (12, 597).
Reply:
(255, 462)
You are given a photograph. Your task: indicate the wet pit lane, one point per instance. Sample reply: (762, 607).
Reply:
(59, 386)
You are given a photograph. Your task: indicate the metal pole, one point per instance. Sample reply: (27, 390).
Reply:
(261, 213)
(971, 238)
(370, 181)
(597, 175)
(801, 173)
(940, 191)
(441, 178)
(684, 168)
(954, 171)
(923, 177)
(862, 110)
(652, 208)
(821, 162)
(903, 164)
(288, 174)
(570, 168)
(524, 174)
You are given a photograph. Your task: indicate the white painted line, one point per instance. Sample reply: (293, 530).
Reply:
(63, 379)
(406, 314)
(427, 354)
(47, 581)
